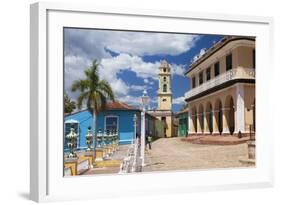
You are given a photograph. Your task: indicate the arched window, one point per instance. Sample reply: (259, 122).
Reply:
(164, 70)
(164, 79)
(164, 88)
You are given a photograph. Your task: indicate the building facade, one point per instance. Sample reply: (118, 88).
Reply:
(221, 98)
(117, 117)
(164, 95)
(182, 121)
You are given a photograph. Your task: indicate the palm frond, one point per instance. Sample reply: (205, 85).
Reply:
(101, 101)
(106, 90)
(83, 96)
(81, 85)
(94, 91)
(92, 74)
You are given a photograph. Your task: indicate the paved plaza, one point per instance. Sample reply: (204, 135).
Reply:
(112, 165)
(175, 154)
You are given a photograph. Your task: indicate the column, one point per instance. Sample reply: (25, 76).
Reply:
(225, 113)
(215, 124)
(190, 123)
(199, 130)
(206, 124)
(240, 109)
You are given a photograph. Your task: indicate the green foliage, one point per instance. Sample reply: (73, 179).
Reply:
(93, 91)
(69, 105)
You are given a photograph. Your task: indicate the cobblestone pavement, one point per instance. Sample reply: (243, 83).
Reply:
(174, 154)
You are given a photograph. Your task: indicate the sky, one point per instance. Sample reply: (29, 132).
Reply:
(130, 61)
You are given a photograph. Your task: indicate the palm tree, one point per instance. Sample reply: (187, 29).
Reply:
(94, 92)
(69, 105)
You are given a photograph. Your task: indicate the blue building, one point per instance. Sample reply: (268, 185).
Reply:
(118, 116)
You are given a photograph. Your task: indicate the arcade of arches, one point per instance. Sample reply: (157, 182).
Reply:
(225, 112)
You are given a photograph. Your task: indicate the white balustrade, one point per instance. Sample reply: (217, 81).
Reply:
(83, 166)
(129, 163)
(233, 74)
(67, 171)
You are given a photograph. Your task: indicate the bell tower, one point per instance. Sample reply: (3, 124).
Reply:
(164, 110)
(164, 89)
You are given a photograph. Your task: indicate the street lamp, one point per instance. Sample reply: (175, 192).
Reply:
(135, 129)
(144, 99)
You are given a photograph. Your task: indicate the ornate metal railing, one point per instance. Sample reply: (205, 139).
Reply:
(239, 73)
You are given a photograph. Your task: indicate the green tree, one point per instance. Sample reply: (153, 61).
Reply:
(69, 105)
(94, 92)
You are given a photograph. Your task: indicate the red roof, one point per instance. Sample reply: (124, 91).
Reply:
(119, 106)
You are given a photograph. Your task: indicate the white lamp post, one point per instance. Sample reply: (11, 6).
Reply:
(135, 128)
(144, 99)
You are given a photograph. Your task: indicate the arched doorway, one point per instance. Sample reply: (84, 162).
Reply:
(209, 117)
(229, 108)
(218, 115)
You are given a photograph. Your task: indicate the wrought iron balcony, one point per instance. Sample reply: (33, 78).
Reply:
(233, 74)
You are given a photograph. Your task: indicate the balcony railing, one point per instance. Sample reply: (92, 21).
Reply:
(239, 73)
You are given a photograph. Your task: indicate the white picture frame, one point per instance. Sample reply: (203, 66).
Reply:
(46, 162)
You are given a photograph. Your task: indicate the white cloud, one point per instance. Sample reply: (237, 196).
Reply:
(179, 101)
(139, 87)
(199, 55)
(132, 100)
(148, 81)
(139, 43)
(92, 43)
(112, 66)
(177, 69)
(119, 87)
(74, 70)
(82, 46)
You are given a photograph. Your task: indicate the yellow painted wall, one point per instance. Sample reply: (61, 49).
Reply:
(241, 57)
(249, 101)
(249, 96)
(245, 57)
(165, 105)
(169, 130)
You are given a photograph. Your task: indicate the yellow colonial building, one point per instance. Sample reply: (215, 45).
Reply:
(164, 95)
(221, 98)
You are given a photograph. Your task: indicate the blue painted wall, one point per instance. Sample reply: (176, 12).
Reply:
(125, 124)
(85, 120)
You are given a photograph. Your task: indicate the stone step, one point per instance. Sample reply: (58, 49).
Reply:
(108, 163)
(216, 139)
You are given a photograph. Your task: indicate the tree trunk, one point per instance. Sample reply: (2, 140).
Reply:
(94, 132)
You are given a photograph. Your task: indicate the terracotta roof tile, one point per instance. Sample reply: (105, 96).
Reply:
(119, 106)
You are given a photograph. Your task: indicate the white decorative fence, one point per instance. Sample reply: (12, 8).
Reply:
(238, 73)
